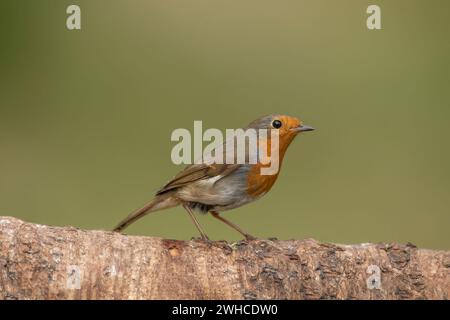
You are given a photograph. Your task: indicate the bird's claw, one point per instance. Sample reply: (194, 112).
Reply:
(249, 237)
(204, 239)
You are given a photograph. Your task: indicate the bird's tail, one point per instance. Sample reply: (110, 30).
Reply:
(158, 203)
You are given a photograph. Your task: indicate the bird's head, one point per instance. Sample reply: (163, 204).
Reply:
(288, 126)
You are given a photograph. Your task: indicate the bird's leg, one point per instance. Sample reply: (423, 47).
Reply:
(194, 219)
(235, 227)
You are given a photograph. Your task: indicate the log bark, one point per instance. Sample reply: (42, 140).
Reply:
(44, 262)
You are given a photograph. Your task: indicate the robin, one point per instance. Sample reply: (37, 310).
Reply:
(215, 188)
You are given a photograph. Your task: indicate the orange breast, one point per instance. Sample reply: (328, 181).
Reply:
(258, 184)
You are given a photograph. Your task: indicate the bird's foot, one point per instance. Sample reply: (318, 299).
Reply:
(204, 239)
(249, 237)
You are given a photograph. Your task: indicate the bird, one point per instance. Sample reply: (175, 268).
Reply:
(214, 188)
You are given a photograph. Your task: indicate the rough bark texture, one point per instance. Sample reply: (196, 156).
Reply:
(43, 262)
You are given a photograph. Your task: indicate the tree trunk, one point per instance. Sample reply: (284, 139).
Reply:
(43, 262)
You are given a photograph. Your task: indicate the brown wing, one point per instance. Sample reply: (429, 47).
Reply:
(197, 172)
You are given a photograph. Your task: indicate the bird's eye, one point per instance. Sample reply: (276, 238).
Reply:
(276, 124)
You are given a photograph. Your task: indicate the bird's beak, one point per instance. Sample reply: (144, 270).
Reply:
(302, 128)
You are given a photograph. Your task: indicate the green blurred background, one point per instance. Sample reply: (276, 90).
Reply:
(86, 116)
